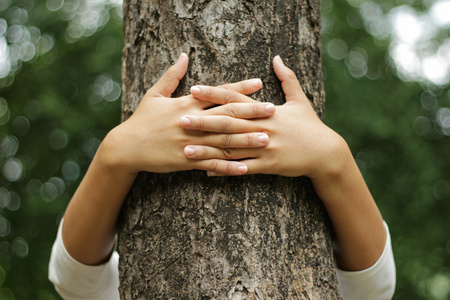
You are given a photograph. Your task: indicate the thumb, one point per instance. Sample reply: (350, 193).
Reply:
(168, 83)
(289, 82)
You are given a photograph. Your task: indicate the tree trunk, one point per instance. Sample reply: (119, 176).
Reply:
(186, 236)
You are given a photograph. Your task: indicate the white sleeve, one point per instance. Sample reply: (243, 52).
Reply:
(74, 280)
(374, 283)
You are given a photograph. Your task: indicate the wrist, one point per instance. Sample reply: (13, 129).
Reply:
(337, 170)
(112, 155)
(334, 161)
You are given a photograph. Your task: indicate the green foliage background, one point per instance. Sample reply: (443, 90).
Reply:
(61, 94)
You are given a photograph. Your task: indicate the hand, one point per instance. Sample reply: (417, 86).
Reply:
(300, 143)
(153, 140)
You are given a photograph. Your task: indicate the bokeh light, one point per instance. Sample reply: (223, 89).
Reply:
(417, 54)
(416, 49)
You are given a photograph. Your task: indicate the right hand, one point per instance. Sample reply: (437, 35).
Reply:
(300, 143)
(153, 139)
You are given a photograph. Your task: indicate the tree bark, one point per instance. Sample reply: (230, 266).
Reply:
(186, 236)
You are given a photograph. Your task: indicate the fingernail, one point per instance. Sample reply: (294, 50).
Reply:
(211, 174)
(185, 121)
(180, 58)
(242, 169)
(256, 83)
(270, 108)
(263, 138)
(189, 151)
(195, 90)
(278, 58)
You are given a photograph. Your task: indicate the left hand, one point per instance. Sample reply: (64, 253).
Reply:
(299, 142)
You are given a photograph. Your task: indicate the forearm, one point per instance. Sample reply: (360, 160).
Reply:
(90, 220)
(359, 234)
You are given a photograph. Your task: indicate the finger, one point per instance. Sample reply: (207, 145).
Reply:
(198, 152)
(221, 166)
(245, 87)
(219, 124)
(243, 110)
(217, 95)
(235, 140)
(289, 82)
(255, 166)
(170, 80)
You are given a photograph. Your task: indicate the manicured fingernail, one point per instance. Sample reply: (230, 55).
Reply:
(189, 151)
(256, 83)
(211, 174)
(263, 138)
(195, 90)
(185, 121)
(270, 108)
(242, 169)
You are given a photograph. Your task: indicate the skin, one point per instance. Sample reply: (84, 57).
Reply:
(167, 135)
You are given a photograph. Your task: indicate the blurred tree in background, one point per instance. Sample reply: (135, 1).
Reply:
(387, 67)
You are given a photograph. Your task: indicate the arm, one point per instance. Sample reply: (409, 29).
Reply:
(152, 140)
(301, 145)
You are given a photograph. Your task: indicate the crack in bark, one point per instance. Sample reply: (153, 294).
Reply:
(153, 277)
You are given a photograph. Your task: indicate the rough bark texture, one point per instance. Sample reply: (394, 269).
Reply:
(187, 236)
